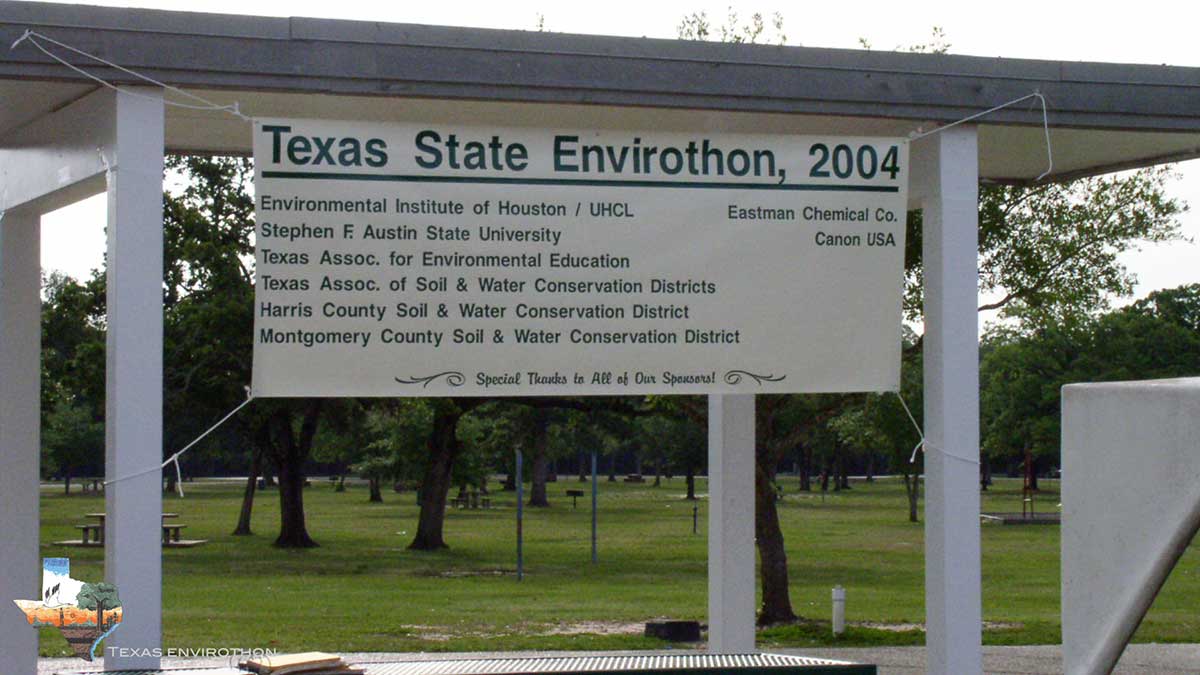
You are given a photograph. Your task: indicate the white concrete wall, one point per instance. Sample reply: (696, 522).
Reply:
(1131, 504)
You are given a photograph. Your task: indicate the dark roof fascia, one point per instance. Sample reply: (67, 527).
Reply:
(217, 51)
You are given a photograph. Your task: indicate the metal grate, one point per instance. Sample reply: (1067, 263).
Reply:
(169, 671)
(693, 664)
(687, 664)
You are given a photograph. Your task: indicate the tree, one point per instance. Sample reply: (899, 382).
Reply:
(289, 443)
(1025, 367)
(679, 440)
(71, 439)
(1053, 250)
(99, 597)
(880, 422)
(73, 348)
(208, 304)
(443, 447)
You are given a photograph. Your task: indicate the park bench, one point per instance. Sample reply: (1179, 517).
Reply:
(171, 532)
(91, 534)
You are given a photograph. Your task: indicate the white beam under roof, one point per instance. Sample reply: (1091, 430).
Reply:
(59, 158)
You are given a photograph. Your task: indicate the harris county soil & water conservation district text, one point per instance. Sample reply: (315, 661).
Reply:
(462, 289)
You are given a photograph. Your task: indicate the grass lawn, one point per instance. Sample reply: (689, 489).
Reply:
(363, 591)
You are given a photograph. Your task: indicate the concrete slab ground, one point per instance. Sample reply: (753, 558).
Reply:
(1141, 659)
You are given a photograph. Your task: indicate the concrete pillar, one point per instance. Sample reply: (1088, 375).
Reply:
(946, 178)
(20, 424)
(731, 552)
(132, 549)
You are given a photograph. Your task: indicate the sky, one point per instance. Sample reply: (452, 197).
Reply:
(1072, 31)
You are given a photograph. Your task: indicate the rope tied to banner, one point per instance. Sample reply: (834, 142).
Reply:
(923, 445)
(914, 136)
(174, 459)
(202, 103)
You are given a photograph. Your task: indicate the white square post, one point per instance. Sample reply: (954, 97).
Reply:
(731, 524)
(133, 416)
(946, 183)
(48, 163)
(20, 424)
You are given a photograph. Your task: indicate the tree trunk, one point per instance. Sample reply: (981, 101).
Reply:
(1031, 470)
(912, 487)
(373, 486)
(541, 462)
(691, 483)
(776, 604)
(612, 468)
(583, 467)
(172, 480)
(985, 475)
(443, 450)
(843, 473)
(243, 524)
(67, 483)
(870, 466)
(657, 471)
(291, 453)
(805, 469)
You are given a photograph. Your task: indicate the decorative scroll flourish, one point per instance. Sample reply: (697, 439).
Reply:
(735, 377)
(453, 378)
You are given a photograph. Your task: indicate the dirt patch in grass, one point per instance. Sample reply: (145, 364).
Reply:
(905, 627)
(595, 628)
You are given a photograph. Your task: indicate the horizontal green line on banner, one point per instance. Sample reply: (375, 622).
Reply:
(581, 182)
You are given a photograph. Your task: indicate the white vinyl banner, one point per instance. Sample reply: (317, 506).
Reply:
(442, 260)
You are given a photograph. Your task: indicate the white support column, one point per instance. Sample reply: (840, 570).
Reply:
(20, 423)
(731, 524)
(132, 548)
(946, 178)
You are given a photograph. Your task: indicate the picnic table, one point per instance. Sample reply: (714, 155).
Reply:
(472, 499)
(97, 484)
(170, 531)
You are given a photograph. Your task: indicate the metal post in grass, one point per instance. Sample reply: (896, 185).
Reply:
(595, 488)
(520, 516)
